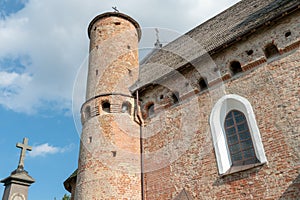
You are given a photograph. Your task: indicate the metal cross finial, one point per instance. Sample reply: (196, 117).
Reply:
(157, 43)
(115, 8)
(157, 34)
(24, 147)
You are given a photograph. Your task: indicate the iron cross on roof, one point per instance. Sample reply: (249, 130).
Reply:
(115, 9)
(24, 147)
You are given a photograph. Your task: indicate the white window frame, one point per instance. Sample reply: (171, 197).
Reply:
(220, 110)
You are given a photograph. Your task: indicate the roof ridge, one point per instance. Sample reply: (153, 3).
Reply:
(213, 35)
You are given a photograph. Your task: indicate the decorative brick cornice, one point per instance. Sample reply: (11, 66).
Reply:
(254, 64)
(290, 47)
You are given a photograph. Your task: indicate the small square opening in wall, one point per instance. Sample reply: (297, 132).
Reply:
(235, 67)
(175, 97)
(288, 34)
(90, 140)
(203, 84)
(249, 52)
(271, 50)
(117, 23)
(106, 106)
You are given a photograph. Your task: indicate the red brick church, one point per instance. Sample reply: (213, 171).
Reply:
(215, 114)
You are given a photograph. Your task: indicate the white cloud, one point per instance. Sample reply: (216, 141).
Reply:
(10, 85)
(46, 149)
(11, 79)
(52, 33)
(7, 78)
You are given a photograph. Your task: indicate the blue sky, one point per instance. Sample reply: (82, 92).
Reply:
(43, 47)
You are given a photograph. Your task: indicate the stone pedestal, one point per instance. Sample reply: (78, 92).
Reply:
(16, 185)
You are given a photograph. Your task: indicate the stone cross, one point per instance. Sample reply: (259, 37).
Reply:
(24, 147)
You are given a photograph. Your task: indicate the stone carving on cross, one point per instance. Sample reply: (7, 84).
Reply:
(24, 147)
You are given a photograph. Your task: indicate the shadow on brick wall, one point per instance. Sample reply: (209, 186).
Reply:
(293, 191)
(227, 179)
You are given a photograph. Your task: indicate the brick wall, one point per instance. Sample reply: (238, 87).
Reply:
(271, 86)
(109, 160)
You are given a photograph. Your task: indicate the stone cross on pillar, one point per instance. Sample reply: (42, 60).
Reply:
(17, 184)
(24, 147)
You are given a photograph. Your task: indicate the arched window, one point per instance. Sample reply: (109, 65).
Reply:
(106, 106)
(236, 137)
(203, 84)
(271, 50)
(239, 139)
(126, 107)
(87, 112)
(235, 67)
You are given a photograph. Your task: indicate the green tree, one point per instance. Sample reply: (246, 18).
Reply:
(66, 197)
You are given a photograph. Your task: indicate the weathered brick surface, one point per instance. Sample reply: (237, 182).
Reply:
(271, 86)
(109, 161)
(177, 147)
(113, 57)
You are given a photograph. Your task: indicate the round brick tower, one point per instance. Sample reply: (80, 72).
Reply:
(109, 160)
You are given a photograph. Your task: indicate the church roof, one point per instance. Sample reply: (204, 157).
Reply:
(213, 35)
(68, 183)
